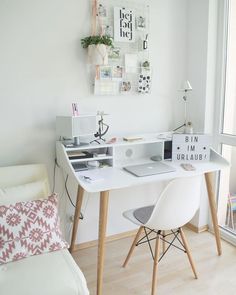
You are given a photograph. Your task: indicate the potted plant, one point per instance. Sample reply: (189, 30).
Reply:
(97, 48)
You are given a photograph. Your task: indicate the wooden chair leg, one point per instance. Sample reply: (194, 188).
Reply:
(133, 246)
(155, 265)
(188, 252)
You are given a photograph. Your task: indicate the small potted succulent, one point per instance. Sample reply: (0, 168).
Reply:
(97, 48)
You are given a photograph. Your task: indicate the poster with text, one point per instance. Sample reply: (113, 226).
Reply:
(124, 25)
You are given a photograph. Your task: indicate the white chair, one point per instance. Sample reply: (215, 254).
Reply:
(174, 208)
(54, 273)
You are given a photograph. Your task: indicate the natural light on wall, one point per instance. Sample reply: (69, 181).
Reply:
(227, 183)
(229, 126)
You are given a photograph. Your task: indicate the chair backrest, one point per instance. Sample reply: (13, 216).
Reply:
(23, 183)
(177, 204)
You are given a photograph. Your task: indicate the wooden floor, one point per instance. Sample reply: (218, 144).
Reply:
(217, 275)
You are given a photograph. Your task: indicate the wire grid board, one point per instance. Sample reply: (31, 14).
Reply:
(128, 70)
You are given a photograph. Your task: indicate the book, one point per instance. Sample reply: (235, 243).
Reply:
(76, 155)
(132, 138)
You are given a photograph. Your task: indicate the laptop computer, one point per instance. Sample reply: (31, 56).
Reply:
(148, 169)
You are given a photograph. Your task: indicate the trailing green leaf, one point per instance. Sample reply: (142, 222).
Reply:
(106, 40)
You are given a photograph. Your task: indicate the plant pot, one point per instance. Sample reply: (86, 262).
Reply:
(98, 54)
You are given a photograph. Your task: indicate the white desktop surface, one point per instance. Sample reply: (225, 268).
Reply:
(115, 177)
(110, 178)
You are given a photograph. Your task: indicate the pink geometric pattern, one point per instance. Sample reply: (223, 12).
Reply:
(30, 228)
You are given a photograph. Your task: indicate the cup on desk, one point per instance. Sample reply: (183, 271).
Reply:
(93, 164)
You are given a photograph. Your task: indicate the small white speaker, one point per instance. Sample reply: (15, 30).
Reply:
(75, 126)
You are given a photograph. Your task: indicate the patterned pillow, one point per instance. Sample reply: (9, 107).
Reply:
(29, 228)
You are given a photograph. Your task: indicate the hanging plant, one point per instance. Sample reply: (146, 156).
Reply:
(97, 48)
(95, 40)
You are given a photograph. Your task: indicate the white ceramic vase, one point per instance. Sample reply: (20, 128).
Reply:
(98, 54)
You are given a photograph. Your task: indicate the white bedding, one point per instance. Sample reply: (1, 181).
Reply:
(54, 273)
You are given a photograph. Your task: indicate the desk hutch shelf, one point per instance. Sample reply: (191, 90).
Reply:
(119, 154)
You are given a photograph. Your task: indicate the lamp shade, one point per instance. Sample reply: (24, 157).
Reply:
(185, 86)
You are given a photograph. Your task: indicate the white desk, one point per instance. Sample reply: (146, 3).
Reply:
(116, 178)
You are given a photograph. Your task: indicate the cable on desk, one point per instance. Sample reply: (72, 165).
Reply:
(54, 175)
(69, 197)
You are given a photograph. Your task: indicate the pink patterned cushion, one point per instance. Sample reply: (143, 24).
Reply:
(29, 228)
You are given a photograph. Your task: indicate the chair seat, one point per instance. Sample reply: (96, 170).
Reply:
(139, 216)
(54, 273)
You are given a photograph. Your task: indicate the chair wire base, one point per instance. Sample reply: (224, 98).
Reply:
(146, 239)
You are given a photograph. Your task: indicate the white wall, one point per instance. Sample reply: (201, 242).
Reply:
(43, 70)
(197, 38)
(202, 22)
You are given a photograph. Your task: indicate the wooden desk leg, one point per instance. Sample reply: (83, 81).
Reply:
(79, 200)
(104, 197)
(163, 242)
(213, 208)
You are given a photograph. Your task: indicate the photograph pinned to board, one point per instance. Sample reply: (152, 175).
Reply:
(102, 10)
(107, 30)
(131, 63)
(124, 25)
(105, 72)
(114, 53)
(117, 73)
(144, 82)
(141, 22)
(126, 87)
(145, 66)
(106, 87)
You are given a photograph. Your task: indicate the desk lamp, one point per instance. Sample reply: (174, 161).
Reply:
(185, 87)
(102, 128)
